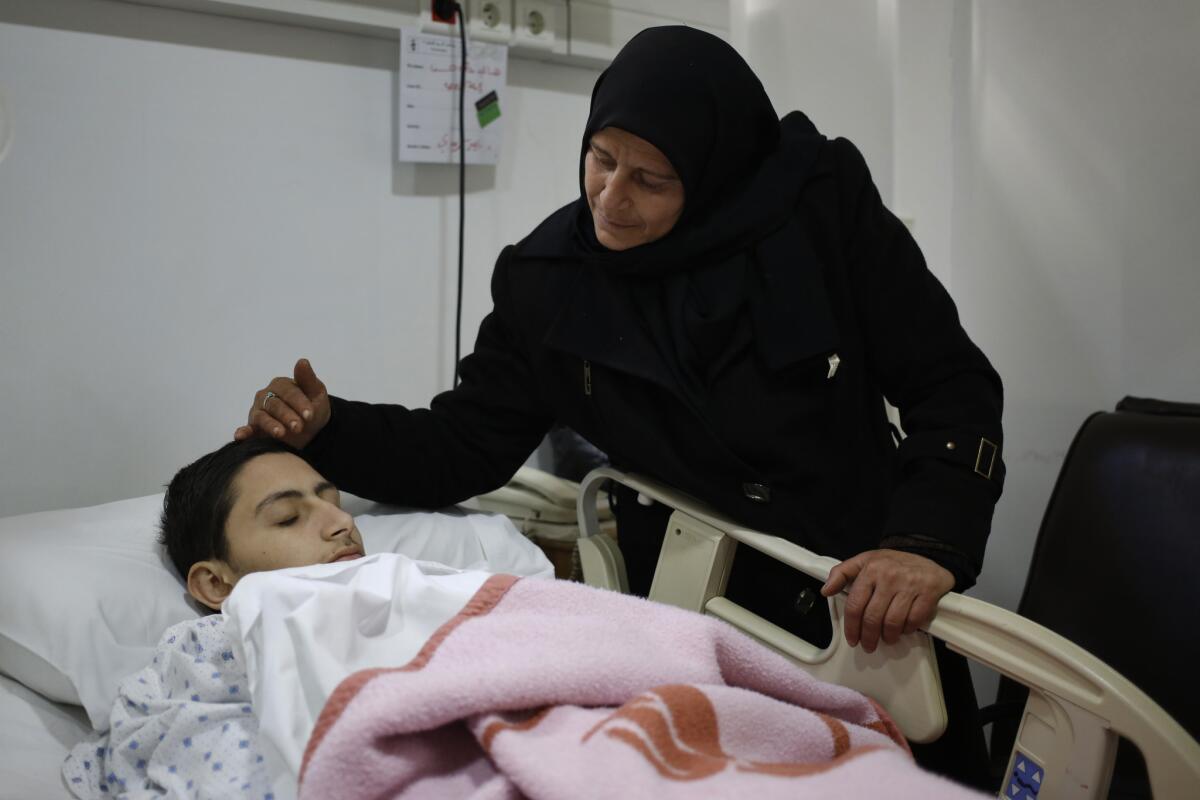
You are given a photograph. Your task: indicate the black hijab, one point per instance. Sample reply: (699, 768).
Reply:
(703, 291)
(692, 96)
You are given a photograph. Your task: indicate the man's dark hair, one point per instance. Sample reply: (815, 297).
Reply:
(199, 499)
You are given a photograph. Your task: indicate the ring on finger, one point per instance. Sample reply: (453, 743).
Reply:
(267, 397)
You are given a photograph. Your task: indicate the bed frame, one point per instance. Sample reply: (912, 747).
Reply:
(1077, 706)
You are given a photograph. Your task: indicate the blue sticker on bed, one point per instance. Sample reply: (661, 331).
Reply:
(1026, 779)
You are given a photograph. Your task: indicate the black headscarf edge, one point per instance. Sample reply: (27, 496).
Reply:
(704, 107)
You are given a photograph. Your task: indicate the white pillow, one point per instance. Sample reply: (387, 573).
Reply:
(85, 593)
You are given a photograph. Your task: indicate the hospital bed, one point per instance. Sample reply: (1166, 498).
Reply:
(1066, 741)
(1077, 706)
(542, 506)
(86, 593)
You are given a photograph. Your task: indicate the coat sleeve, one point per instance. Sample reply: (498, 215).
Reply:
(470, 440)
(949, 469)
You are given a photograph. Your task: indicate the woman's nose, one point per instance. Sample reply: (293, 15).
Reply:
(616, 194)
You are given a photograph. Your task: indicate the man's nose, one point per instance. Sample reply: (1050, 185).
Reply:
(336, 522)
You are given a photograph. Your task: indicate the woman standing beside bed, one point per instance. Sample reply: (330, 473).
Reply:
(723, 309)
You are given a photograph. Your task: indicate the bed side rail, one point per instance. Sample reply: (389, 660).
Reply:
(1077, 705)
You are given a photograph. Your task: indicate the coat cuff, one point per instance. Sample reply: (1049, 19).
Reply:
(948, 557)
(318, 450)
(946, 502)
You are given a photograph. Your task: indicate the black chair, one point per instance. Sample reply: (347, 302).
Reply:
(1116, 567)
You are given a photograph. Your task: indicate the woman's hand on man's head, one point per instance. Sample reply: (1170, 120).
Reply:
(293, 410)
(891, 593)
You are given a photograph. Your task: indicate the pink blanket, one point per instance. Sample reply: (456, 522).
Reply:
(548, 689)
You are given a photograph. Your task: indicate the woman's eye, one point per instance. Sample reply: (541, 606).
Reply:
(283, 523)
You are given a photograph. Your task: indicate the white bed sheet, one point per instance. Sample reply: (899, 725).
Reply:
(299, 632)
(35, 736)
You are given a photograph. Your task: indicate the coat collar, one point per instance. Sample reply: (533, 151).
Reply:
(787, 300)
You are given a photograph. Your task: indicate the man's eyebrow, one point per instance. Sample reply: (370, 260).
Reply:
(292, 494)
(286, 494)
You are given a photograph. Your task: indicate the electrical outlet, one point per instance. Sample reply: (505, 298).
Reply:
(430, 23)
(490, 20)
(444, 11)
(534, 24)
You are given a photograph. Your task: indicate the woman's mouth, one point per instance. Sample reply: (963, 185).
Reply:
(608, 223)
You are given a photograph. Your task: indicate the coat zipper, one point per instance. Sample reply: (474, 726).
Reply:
(587, 377)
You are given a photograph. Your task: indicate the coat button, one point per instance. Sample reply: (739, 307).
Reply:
(805, 601)
(758, 492)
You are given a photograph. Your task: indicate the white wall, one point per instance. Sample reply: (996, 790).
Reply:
(806, 52)
(1075, 241)
(191, 202)
(1047, 152)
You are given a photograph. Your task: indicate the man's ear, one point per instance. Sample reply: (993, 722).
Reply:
(210, 582)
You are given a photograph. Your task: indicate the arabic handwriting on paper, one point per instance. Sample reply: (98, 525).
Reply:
(430, 76)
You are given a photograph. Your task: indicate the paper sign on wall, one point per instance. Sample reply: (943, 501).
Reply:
(428, 101)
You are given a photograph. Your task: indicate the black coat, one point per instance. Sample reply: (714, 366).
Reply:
(774, 441)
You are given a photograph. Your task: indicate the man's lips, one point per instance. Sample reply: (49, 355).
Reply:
(347, 554)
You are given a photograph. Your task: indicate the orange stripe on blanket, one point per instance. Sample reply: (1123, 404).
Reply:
(640, 700)
(681, 744)
(697, 767)
(841, 737)
(679, 736)
(799, 770)
(694, 718)
(500, 726)
(483, 601)
(888, 727)
(673, 753)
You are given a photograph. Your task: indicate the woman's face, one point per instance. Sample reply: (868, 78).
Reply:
(633, 192)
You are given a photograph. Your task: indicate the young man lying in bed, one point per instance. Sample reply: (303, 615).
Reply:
(184, 724)
(377, 676)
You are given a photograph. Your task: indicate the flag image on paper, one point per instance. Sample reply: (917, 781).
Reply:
(427, 106)
(487, 109)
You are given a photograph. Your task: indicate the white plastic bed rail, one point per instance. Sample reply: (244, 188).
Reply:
(1077, 705)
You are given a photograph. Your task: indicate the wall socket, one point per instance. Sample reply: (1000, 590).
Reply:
(534, 24)
(526, 24)
(490, 20)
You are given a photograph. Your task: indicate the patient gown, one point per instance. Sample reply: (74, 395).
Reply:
(181, 727)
